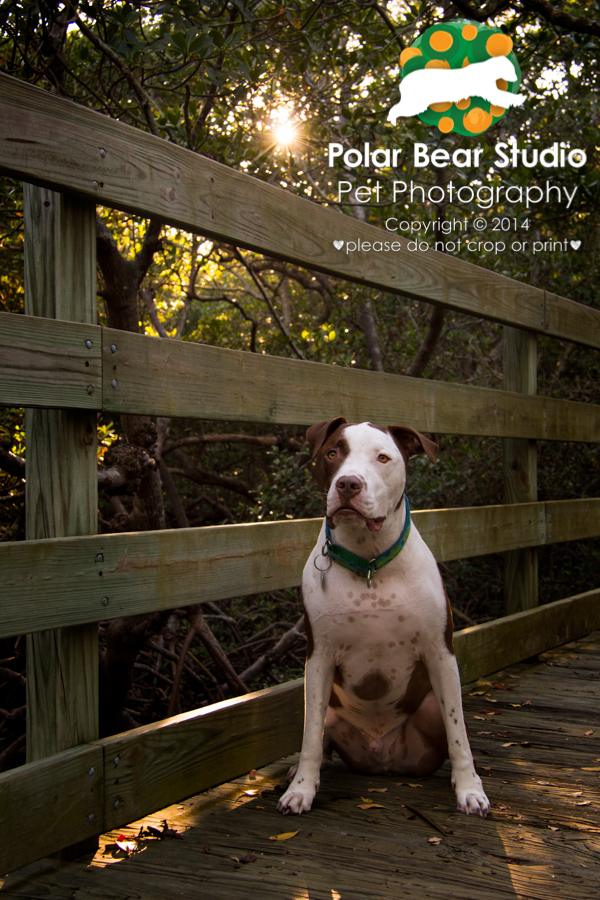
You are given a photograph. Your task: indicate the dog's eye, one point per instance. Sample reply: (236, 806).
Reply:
(383, 458)
(331, 454)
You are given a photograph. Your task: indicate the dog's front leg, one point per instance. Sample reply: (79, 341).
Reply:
(317, 689)
(445, 681)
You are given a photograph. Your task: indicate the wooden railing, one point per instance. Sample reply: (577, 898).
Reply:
(64, 368)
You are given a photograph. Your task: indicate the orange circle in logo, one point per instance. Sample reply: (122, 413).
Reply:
(446, 124)
(477, 120)
(409, 53)
(440, 41)
(437, 64)
(440, 107)
(469, 32)
(499, 45)
(463, 104)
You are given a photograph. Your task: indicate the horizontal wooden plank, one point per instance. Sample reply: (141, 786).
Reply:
(487, 648)
(70, 581)
(47, 140)
(162, 763)
(50, 804)
(45, 362)
(570, 520)
(209, 382)
(477, 530)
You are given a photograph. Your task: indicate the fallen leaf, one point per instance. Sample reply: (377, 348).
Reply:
(377, 790)
(502, 687)
(481, 719)
(577, 794)
(206, 848)
(590, 768)
(259, 807)
(526, 703)
(510, 744)
(284, 837)
(476, 694)
(583, 803)
(484, 732)
(525, 743)
(370, 806)
(552, 828)
(516, 705)
(248, 858)
(544, 782)
(252, 774)
(407, 814)
(126, 846)
(434, 840)
(486, 768)
(588, 733)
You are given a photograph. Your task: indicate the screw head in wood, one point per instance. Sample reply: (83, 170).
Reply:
(88, 344)
(91, 771)
(116, 760)
(116, 804)
(105, 601)
(90, 388)
(91, 817)
(113, 383)
(102, 152)
(99, 557)
(113, 348)
(95, 185)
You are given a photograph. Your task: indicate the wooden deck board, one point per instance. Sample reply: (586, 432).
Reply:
(538, 843)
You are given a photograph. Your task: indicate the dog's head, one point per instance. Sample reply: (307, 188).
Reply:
(361, 469)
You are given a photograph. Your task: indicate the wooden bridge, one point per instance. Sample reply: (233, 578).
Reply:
(64, 368)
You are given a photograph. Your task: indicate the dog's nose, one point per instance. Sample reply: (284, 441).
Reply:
(348, 486)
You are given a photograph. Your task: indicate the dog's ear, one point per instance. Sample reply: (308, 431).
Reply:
(318, 434)
(410, 441)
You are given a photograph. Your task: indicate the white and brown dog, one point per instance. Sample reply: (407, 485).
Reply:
(382, 684)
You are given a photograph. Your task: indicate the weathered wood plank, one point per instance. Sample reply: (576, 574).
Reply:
(50, 804)
(44, 362)
(477, 530)
(486, 648)
(62, 481)
(69, 581)
(209, 382)
(520, 469)
(162, 763)
(90, 578)
(142, 174)
(568, 520)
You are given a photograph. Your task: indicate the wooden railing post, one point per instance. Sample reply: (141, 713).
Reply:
(520, 470)
(61, 486)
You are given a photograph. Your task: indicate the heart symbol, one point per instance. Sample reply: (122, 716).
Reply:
(575, 245)
(339, 244)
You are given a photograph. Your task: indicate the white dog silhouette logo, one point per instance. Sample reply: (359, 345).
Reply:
(461, 76)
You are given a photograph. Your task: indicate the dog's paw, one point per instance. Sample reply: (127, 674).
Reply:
(472, 800)
(297, 799)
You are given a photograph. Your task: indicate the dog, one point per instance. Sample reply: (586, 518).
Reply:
(382, 684)
(423, 87)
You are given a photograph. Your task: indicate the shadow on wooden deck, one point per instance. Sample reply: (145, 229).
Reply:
(535, 732)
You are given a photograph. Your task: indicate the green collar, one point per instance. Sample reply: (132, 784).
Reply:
(366, 568)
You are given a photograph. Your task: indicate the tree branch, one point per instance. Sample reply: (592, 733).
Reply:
(425, 351)
(144, 99)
